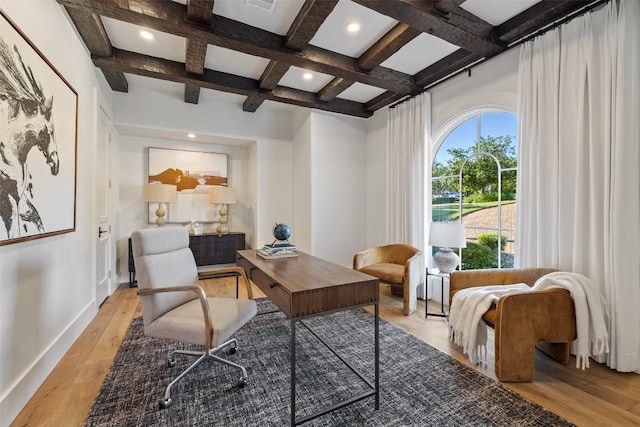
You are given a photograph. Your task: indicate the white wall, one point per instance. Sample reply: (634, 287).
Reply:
(133, 173)
(47, 286)
(376, 180)
(302, 189)
(260, 153)
(338, 179)
(492, 85)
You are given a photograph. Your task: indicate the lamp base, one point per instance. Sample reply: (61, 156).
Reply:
(160, 213)
(446, 260)
(223, 228)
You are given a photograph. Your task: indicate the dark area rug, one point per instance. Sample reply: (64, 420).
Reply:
(420, 386)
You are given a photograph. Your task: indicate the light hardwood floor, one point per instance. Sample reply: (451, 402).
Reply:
(597, 396)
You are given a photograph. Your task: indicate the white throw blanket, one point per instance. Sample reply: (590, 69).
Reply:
(468, 330)
(466, 327)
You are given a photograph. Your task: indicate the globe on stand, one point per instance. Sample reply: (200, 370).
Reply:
(281, 232)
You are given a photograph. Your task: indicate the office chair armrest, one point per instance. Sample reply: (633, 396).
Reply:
(227, 270)
(202, 297)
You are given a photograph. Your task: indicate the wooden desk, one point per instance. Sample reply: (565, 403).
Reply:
(307, 286)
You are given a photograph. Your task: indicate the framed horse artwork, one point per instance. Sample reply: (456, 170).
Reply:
(38, 142)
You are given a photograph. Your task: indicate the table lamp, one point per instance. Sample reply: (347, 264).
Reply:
(222, 196)
(447, 235)
(160, 193)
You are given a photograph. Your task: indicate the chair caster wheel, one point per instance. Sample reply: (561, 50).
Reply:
(171, 363)
(233, 350)
(242, 383)
(165, 403)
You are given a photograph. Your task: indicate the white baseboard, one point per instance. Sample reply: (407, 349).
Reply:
(19, 393)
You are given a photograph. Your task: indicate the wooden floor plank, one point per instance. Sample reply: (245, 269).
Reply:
(595, 396)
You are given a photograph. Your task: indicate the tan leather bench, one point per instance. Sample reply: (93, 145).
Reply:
(545, 320)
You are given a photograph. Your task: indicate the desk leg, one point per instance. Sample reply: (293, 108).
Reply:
(292, 346)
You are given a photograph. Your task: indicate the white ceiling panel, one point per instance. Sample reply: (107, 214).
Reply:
(126, 36)
(293, 79)
(359, 92)
(495, 12)
(278, 21)
(419, 53)
(333, 34)
(234, 62)
(155, 84)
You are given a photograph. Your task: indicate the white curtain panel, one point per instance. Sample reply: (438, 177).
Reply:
(579, 162)
(408, 131)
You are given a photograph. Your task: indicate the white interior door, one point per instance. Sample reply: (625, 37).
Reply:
(103, 197)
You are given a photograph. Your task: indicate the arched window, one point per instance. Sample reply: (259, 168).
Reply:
(474, 178)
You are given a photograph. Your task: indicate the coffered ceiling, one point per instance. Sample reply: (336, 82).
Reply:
(299, 52)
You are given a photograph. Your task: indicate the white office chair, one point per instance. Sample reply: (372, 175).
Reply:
(175, 307)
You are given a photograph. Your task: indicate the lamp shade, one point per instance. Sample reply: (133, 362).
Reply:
(222, 195)
(163, 193)
(447, 235)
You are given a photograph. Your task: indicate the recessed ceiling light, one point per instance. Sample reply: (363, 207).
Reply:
(191, 135)
(307, 76)
(353, 27)
(146, 35)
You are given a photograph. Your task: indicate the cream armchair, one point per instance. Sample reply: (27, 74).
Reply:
(401, 266)
(174, 306)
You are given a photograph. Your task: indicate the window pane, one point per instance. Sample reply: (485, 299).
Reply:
(460, 143)
(477, 198)
(499, 136)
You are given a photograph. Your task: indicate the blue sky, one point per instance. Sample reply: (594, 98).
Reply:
(493, 124)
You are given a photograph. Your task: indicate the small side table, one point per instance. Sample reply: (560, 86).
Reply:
(442, 276)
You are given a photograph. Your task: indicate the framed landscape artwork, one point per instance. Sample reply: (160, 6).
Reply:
(193, 172)
(38, 134)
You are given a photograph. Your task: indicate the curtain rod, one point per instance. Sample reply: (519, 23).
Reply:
(518, 42)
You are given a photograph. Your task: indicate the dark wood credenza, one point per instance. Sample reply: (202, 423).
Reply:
(207, 248)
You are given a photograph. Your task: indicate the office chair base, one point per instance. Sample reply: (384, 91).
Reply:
(166, 402)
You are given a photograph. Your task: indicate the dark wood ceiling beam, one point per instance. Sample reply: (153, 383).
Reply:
(333, 89)
(307, 23)
(169, 17)
(388, 44)
(143, 65)
(461, 29)
(446, 66)
(381, 50)
(251, 104)
(383, 100)
(446, 6)
(268, 81)
(304, 27)
(91, 29)
(191, 93)
(537, 17)
(117, 80)
(449, 64)
(200, 10)
(272, 74)
(196, 53)
(196, 49)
